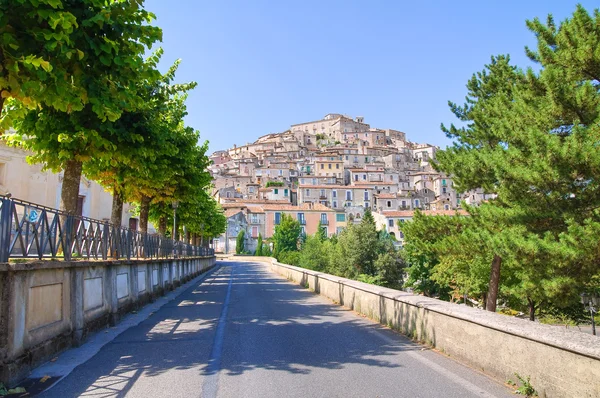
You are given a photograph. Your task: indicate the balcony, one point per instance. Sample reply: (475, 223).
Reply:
(322, 197)
(324, 221)
(302, 221)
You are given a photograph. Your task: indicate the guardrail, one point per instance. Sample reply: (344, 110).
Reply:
(30, 230)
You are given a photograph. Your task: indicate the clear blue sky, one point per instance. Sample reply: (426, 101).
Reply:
(264, 65)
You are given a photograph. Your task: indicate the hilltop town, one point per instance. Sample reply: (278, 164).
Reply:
(329, 171)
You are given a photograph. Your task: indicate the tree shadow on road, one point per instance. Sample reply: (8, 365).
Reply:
(271, 324)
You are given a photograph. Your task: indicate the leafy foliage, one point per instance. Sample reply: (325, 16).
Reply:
(532, 138)
(286, 236)
(239, 242)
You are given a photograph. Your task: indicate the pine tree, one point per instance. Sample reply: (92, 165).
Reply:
(239, 242)
(532, 138)
(259, 246)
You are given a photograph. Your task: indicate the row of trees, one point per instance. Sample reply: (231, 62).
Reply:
(358, 252)
(531, 136)
(76, 90)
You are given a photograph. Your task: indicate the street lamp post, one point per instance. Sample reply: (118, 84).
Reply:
(590, 302)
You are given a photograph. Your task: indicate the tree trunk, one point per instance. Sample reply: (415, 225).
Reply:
(162, 225)
(531, 305)
(484, 300)
(116, 215)
(70, 187)
(144, 211)
(494, 282)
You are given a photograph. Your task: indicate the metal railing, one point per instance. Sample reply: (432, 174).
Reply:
(30, 230)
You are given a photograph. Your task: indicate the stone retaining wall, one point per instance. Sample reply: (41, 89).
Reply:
(49, 306)
(561, 362)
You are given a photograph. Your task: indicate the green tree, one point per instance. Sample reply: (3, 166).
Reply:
(146, 141)
(259, 246)
(531, 137)
(111, 38)
(286, 236)
(314, 253)
(37, 57)
(321, 232)
(239, 242)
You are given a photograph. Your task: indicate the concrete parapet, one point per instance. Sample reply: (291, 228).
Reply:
(560, 362)
(48, 306)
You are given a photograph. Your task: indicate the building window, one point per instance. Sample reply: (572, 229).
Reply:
(325, 231)
(276, 191)
(334, 194)
(366, 195)
(337, 166)
(307, 192)
(335, 204)
(322, 166)
(277, 218)
(404, 203)
(324, 220)
(255, 232)
(364, 176)
(417, 203)
(301, 219)
(391, 223)
(355, 177)
(340, 217)
(302, 231)
(444, 190)
(322, 192)
(254, 218)
(348, 195)
(285, 192)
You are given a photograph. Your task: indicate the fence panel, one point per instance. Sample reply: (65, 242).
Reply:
(29, 230)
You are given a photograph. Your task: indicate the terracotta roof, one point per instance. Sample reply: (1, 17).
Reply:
(255, 209)
(261, 201)
(368, 184)
(386, 195)
(303, 207)
(322, 186)
(411, 213)
(232, 212)
(233, 205)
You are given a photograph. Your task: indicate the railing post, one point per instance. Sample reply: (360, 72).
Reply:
(5, 229)
(105, 241)
(129, 244)
(68, 237)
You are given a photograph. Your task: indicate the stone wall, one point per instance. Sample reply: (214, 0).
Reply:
(48, 306)
(561, 362)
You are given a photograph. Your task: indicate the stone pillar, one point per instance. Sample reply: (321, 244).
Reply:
(161, 275)
(77, 310)
(113, 318)
(5, 307)
(133, 282)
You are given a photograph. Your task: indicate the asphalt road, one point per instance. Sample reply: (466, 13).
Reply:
(245, 332)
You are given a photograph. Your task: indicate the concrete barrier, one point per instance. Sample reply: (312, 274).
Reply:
(49, 306)
(560, 362)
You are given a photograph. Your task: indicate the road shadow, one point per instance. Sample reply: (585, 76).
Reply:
(271, 324)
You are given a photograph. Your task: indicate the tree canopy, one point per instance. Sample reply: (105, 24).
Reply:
(531, 137)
